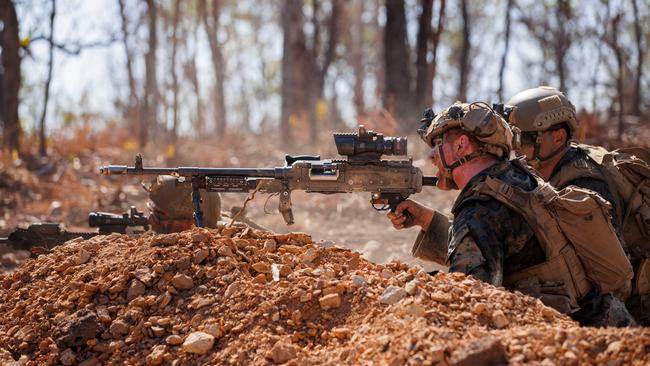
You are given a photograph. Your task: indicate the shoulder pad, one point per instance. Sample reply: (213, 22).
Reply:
(580, 168)
(472, 195)
(596, 153)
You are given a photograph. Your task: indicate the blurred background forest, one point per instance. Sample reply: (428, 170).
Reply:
(154, 70)
(242, 82)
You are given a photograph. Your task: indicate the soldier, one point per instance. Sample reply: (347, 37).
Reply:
(547, 120)
(471, 144)
(171, 207)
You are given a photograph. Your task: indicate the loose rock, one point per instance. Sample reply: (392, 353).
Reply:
(198, 342)
(392, 294)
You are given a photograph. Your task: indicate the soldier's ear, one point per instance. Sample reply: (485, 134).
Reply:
(462, 142)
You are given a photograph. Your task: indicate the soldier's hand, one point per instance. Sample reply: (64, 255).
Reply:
(421, 215)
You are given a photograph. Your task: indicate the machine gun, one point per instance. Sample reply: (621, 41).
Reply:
(389, 181)
(47, 235)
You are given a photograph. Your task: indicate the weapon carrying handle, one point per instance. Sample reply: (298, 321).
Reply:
(290, 159)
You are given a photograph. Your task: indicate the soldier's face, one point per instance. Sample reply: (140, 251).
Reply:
(549, 142)
(443, 181)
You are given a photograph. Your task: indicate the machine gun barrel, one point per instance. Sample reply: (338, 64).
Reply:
(190, 171)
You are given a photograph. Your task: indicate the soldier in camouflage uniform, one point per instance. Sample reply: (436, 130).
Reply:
(171, 207)
(470, 142)
(547, 120)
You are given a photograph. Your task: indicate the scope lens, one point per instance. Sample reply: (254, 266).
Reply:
(397, 146)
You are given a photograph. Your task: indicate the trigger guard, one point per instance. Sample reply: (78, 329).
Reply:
(385, 207)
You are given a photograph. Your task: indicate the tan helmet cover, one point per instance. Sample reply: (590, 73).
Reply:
(541, 108)
(478, 120)
(176, 201)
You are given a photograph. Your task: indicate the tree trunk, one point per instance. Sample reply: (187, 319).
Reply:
(506, 49)
(50, 65)
(397, 95)
(380, 62)
(172, 70)
(562, 41)
(425, 34)
(435, 41)
(192, 76)
(636, 99)
(10, 76)
(295, 69)
(464, 53)
(619, 77)
(356, 56)
(212, 28)
(133, 104)
(149, 115)
(320, 71)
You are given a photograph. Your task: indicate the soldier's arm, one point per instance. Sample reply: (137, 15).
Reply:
(468, 258)
(476, 246)
(432, 244)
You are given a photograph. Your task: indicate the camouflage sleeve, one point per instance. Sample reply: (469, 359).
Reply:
(432, 244)
(477, 244)
(468, 258)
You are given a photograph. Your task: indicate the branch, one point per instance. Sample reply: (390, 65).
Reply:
(74, 49)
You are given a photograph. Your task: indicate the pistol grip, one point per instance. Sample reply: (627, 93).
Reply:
(393, 201)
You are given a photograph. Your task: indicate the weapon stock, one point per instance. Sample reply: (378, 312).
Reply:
(363, 170)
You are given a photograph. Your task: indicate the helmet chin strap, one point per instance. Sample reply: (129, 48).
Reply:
(450, 168)
(536, 148)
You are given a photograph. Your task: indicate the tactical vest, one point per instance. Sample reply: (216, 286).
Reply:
(574, 228)
(627, 173)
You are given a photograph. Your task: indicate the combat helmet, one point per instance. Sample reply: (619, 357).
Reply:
(176, 201)
(487, 127)
(541, 109)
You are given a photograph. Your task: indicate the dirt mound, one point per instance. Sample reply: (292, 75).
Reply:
(242, 296)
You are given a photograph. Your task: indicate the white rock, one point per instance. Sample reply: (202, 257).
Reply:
(198, 342)
(411, 287)
(275, 271)
(358, 280)
(392, 294)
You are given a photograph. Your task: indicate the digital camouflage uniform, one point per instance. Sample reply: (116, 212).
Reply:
(489, 241)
